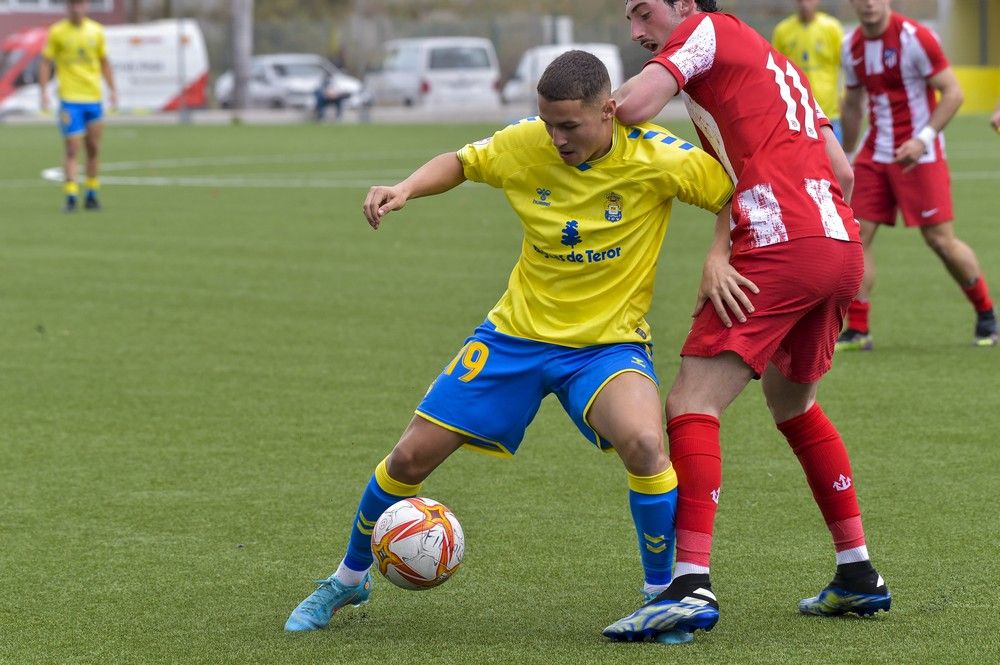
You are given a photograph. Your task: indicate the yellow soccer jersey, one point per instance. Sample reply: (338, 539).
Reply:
(592, 233)
(815, 47)
(77, 52)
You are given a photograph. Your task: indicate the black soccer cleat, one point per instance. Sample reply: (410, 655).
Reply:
(857, 588)
(986, 328)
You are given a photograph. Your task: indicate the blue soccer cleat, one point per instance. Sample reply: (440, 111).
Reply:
(671, 617)
(315, 612)
(835, 601)
(672, 636)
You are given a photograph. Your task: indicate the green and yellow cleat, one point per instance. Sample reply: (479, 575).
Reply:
(854, 340)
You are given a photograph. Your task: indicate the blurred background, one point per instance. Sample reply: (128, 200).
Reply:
(353, 44)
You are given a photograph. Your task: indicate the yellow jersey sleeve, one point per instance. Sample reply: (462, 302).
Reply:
(496, 158)
(702, 181)
(77, 51)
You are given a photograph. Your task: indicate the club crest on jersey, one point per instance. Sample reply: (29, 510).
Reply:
(890, 57)
(613, 209)
(543, 194)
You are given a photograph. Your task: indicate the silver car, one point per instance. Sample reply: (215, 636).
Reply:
(290, 80)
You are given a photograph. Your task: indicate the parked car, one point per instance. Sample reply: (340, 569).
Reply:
(290, 80)
(437, 71)
(521, 86)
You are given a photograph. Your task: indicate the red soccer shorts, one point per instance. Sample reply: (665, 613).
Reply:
(805, 288)
(922, 194)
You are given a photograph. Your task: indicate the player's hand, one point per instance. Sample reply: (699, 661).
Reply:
(909, 152)
(380, 201)
(43, 102)
(113, 98)
(724, 287)
(995, 121)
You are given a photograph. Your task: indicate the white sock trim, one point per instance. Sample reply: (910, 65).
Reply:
(655, 589)
(853, 555)
(685, 568)
(348, 576)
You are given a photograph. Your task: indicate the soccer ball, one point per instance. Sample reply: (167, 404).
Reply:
(418, 543)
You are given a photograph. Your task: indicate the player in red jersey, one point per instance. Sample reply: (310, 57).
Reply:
(901, 165)
(795, 238)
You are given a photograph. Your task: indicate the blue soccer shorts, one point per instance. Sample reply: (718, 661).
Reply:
(491, 391)
(74, 117)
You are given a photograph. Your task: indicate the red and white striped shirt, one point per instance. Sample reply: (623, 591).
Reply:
(894, 68)
(755, 112)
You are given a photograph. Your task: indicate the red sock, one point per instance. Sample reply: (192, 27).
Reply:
(979, 295)
(823, 457)
(857, 315)
(697, 459)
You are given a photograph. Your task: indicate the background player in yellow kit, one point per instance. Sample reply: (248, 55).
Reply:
(594, 199)
(76, 47)
(811, 39)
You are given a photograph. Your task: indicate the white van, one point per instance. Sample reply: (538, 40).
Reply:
(520, 88)
(437, 71)
(290, 80)
(156, 66)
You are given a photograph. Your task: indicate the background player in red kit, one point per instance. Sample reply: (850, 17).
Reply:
(795, 238)
(901, 165)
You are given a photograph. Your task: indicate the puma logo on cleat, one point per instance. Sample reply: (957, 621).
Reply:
(842, 484)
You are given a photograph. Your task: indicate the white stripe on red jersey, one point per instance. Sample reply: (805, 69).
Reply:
(755, 112)
(894, 68)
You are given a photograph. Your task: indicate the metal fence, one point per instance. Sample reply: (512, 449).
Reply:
(354, 40)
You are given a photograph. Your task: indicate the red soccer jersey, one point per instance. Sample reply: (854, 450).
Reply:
(894, 69)
(754, 111)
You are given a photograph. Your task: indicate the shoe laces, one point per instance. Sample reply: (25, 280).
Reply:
(323, 594)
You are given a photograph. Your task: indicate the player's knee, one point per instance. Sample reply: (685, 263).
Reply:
(407, 465)
(679, 401)
(642, 452)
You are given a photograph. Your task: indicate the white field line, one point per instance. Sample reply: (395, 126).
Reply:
(318, 180)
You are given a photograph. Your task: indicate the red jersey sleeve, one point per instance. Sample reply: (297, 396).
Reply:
(936, 61)
(690, 51)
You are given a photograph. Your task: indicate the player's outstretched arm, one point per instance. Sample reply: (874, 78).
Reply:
(436, 176)
(644, 95)
(720, 282)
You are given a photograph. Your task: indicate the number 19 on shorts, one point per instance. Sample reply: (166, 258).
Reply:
(473, 357)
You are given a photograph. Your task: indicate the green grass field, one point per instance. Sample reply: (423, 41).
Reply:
(196, 382)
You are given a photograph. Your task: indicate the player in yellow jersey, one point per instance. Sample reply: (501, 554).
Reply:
(811, 39)
(594, 199)
(76, 47)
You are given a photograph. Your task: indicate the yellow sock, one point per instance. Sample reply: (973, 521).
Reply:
(93, 184)
(71, 188)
